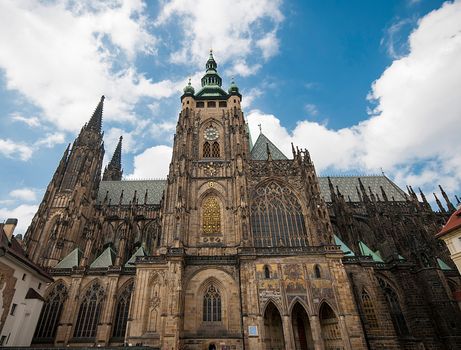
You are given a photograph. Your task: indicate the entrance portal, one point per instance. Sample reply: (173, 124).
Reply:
(212, 347)
(273, 330)
(331, 332)
(301, 328)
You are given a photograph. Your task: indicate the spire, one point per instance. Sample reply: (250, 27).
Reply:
(451, 207)
(211, 77)
(423, 197)
(113, 171)
(96, 119)
(442, 209)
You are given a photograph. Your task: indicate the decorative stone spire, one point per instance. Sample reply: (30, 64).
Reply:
(96, 119)
(439, 204)
(451, 207)
(113, 171)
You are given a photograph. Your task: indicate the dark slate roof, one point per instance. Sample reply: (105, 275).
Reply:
(114, 188)
(259, 150)
(348, 187)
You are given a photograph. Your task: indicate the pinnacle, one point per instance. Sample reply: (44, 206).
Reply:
(116, 160)
(95, 122)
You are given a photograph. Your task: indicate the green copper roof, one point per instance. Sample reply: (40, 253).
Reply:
(106, 259)
(443, 265)
(71, 260)
(367, 251)
(259, 150)
(139, 252)
(344, 248)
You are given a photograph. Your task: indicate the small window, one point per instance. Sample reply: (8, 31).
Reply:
(267, 272)
(215, 150)
(24, 277)
(39, 285)
(200, 104)
(206, 150)
(235, 101)
(222, 103)
(187, 102)
(317, 271)
(13, 309)
(211, 104)
(2, 340)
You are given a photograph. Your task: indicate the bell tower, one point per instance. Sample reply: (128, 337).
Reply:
(205, 187)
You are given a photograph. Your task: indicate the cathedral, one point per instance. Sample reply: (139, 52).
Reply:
(241, 247)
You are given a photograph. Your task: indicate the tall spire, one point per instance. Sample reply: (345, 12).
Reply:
(451, 207)
(113, 171)
(96, 119)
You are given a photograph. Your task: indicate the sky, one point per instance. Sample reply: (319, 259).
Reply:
(366, 86)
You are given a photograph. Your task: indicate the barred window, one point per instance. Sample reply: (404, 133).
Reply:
(215, 150)
(206, 150)
(121, 312)
(211, 216)
(89, 312)
(51, 313)
(212, 305)
(369, 310)
(276, 217)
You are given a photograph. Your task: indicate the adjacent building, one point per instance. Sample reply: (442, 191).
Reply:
(240, 247)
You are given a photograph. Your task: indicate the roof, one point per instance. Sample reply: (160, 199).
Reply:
(113, 189)
(453, 223)
(348, 185)
(344, 248)
(33, 294)
(259, 150)
(367, 251)
(71, 260)
(13, 248)
(132, 260)
(106, 259)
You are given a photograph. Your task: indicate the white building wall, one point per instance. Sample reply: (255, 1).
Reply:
(20, 327)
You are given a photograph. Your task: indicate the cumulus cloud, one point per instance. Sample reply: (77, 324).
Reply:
(24, 213)
(231, 27)
(152, 163)
(25, 194)
(29, 121)
(51, 139)
(63, 55)
(15, 150)
(418, 109)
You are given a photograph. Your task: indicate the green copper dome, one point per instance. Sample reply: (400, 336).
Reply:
(211, 77)
(189, 89)
(233, 88)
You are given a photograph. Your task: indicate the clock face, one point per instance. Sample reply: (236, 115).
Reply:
(211, 134)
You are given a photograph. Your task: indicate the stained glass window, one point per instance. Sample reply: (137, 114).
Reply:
(89, 312)
(276, 217)
(369, 310)
(51, 312)
(211, 221)
(392, 299)
(121, 312)
(212, 305)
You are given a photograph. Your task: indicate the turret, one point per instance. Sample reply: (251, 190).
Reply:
(113, 171)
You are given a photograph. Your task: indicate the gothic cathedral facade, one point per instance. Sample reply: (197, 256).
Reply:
(239, 248)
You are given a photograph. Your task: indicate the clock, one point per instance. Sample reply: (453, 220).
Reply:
(211, 134)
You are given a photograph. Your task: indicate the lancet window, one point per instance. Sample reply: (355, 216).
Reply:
(276, 217)
(206, 150)
(212, 305)
(121, 312)
(395, 310)
(215, 150)
(89, 312)
(211, 216)
(51, 312)
(369, 310)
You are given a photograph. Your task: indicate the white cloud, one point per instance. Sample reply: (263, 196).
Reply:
(51, 139)
(14, 150)
(249, 97)
(231, 27)
(243, 69)
(418, 109)
(25, 194)
(311, 109)
(152, 163)
(31, 121)
(63, 55)
(24, 213)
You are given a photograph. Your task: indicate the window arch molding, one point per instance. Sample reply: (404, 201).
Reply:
(152, 234)
(203, 199)
(277, 215)
(211, 148)
(368, 308)
(298, 300)
(90, 308)
(122, 306)
(213, 285)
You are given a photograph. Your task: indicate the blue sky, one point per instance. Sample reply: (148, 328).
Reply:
(364, 85)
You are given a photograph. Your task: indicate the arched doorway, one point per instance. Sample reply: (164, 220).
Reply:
(331, 332)
(212, 347)
(301, 328)
(273, 329)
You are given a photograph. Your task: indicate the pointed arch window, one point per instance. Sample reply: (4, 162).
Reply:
(211, 216)
(212, 305)
(267, 272)
(369, 310)
(276, 217)
(51, 313)
(152, 235)
(206, 150)
(89, 312)
(121, 312)
(317, 271)
(392, 299)
(215, 150)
